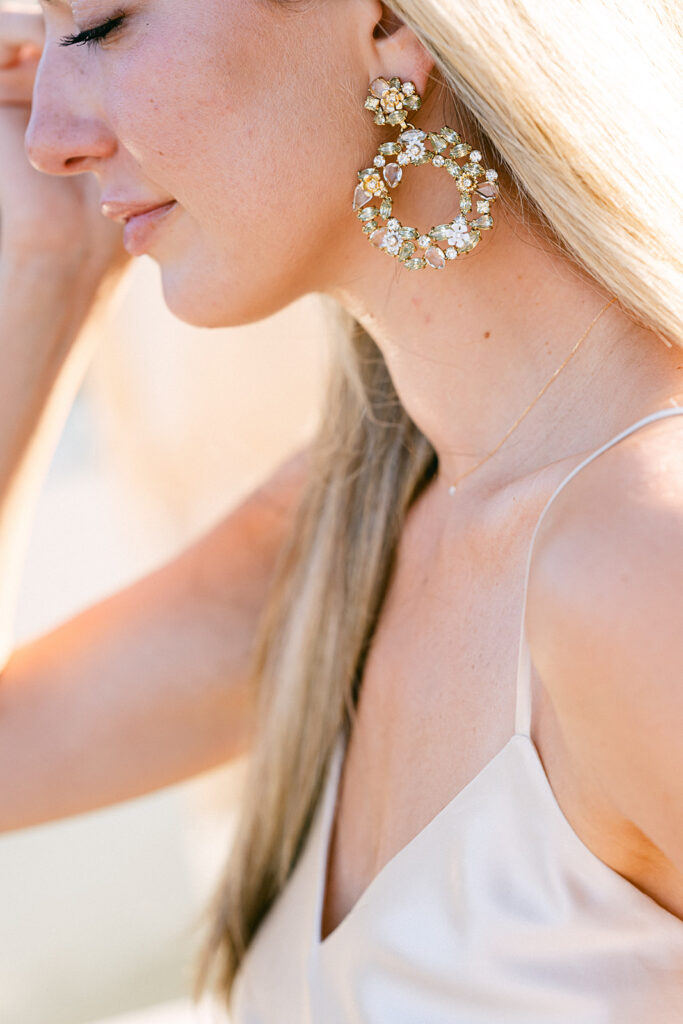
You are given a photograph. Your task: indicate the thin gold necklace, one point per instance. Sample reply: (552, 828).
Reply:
(453, 487)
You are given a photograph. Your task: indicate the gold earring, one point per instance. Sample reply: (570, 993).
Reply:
(391, 102)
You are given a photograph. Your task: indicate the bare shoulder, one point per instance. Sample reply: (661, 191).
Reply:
(605, 624)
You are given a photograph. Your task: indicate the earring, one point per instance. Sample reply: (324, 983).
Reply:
(391, 101)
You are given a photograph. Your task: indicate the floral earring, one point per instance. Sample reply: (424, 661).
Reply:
(391, 101)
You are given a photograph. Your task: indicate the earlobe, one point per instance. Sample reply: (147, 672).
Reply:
(400, 52)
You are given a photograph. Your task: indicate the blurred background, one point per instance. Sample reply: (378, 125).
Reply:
(172, 427)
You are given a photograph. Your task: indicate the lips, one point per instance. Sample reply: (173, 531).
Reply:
(124, 211)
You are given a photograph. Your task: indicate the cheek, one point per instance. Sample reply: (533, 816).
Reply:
(253, 145)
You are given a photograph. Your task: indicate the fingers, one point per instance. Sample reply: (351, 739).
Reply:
(21, 41)
(16, 84)
(22, 31)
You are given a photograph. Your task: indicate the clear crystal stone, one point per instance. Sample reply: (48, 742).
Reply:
(451, 253)
(435, 258)
(392, 175)
(377, 237)
(379, 87)
(360, 197)
(403, 159)
(408, 89)
(393, 224)
(491, 175)
(379, 161)
(475, 156)
(424, 241)
(438, 160)
(412, 135)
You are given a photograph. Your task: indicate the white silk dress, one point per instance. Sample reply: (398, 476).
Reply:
(495, 913)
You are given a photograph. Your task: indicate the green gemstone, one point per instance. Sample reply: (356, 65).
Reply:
(415, 264)
(407, 232)
(424, 159)
(386, 208)
(452, 168)
(437, 142)
(395, 82)
(466, 204)
(396, 117)
(390, 148)
(462, 149)
(412, 102)
(367, 213)
(372, 103)
(449, 135)
(368, 170)
(369, 227)
(472, 170)
(483, 222)
(406, 251)
(380, 118)
(440, 232)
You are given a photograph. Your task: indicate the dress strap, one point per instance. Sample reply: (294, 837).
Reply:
(523, 703)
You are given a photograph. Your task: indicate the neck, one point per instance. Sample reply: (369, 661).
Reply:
(469, 348)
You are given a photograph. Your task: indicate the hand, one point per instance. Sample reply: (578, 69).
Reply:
(43, 214)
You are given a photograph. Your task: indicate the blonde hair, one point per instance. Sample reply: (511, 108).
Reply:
(574, 103)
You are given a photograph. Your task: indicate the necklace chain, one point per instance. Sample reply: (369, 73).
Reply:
(453, 486)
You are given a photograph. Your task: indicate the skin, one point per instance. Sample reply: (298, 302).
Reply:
(180, 104)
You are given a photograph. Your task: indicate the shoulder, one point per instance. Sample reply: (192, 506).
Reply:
(605, 621)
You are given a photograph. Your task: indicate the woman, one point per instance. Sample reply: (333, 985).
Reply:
(459, 838)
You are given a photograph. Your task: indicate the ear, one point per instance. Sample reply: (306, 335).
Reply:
(398, 51)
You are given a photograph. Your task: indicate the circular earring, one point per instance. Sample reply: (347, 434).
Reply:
(391, 102)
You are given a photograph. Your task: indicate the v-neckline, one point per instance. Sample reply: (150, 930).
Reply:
(606, 877)
(328, 821)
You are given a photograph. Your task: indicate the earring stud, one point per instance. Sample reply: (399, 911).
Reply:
(391, 102)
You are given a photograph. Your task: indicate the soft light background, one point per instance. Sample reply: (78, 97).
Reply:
(172, 426)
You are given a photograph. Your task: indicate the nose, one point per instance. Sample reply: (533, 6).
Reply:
(66, 133)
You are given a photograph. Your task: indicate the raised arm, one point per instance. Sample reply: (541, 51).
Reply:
(149, 685)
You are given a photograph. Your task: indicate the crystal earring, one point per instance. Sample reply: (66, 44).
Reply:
(391, 101)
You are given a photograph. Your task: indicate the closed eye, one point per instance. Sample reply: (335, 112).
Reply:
(92, 36)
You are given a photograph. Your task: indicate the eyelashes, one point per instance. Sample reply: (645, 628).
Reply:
(93, 36)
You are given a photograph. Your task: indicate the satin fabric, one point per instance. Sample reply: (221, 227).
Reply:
(495, 913)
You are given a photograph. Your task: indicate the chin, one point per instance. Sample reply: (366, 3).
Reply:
(203, 297)
(192, 300)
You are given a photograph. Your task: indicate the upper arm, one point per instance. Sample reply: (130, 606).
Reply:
(605, 627)
(151, 684)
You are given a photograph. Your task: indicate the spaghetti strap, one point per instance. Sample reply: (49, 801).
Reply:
(523, 697)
